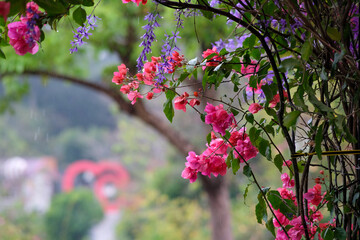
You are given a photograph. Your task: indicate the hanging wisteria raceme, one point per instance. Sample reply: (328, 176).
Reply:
(83, 32)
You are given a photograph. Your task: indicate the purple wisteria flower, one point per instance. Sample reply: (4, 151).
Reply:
(83, 32)
(32, 15)
(231, 44)
(169, 47)
(147, 38)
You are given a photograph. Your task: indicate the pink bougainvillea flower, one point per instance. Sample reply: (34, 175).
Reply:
(21, 40)
(237, 135)
(4, 9)
(133, 95)
(254, 108)
(287, 194)
(218, 146)
(181, 101)
(314, 195)
(281, 235)
(213, 61)
(276, 99)
(218, 117)
(125, 89)
(287, 183)
(175, 61)
(149, 95)
(297, 231)
(189, 173)
(194, 102)
(245, 150)
(281, 219)
(250, 69)
(135, 1)
(119, 77)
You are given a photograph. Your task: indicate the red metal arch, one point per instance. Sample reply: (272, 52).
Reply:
(104, 172)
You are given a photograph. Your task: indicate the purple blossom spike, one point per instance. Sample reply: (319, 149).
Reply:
(83, 32)
(147, 38)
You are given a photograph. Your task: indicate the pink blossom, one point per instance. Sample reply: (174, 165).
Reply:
(194, 102)
(287, 163)
(125, 89)
(316, 215)
(20, 38)
(256, 90)
(314, 195)
(276, 99)
(287, 183)
(250, 69)
(135, 1)
(287, 194)
(218, 117)
(218, 146)
(254, 108)
(119, 77)
(215, 60)
(236, 136)
(193, 160)
(281, 235)
(149, 95)
(4, 9)
(133, 95)
(297, 231)
(189, 173)
(281, 219)
(245, 150)
(175, 61)
(34, 8)
(181, 101)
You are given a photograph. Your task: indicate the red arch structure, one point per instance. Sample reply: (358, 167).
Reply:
(105, 172)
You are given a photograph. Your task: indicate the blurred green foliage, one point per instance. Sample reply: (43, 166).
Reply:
(71, 215)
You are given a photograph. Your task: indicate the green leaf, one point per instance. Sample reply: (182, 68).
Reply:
(264, 147)
(229, 159)
(2, 54)
(79, 16)
(298, 99)
(340, 233)
(246, 192)
(53, 7)
(17, 6)
(270, 226)
(289, 64)
(88, 3)
(268, 92)
(208, 138)
(334, 34)
(75, 1)
(328, 234)
(306, 50)
(260, 209)
(256, 54)
(235, 165)
(209, 15)
(290, 119)
(318, 140)
(169, 110)
(249, 117)
(278, 161)
(250, 42)
(247, 171)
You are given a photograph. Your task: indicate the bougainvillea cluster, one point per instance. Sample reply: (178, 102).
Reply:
(213, 159)
(25, 34)
(293, 224)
